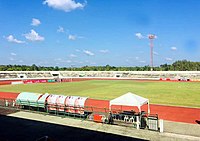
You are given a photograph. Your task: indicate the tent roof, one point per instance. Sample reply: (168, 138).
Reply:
(43, 98)
(61, 100)
(129, 99)
(27, 96)
(29, 99)
(70, 100)
(80, 102)
(52, 99)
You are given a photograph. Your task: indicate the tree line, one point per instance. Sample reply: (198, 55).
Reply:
(181, 65)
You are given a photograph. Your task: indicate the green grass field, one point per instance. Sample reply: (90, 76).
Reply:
(167, 93)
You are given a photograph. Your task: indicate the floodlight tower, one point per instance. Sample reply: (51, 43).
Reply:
(151, 38)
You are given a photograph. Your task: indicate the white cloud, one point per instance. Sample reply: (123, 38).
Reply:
(11, 59)
(127, 60)
(155, 53)
(72, 37)
(89, 53)
(58, 59)
(89, 62)
(13, 54)
(104, 51)
(64, 5)
(79, 62)
(33, 36)
(93, 63)
(173, 48)
(43, 63)
(60, 29)
(136, 58)
(68, 61)
(35, 22)
(72, 55)
(168, 59)
(77, 50)
(139, 35)
(11, 38)
(20, 61)
(142, 61)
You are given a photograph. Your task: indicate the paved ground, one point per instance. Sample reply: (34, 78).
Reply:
(182, 128)
(29, 126)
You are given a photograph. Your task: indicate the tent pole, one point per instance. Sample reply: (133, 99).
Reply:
(148, 109)
(109, 106)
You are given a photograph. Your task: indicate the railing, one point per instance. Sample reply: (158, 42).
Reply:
(10, 103)
(98, 114)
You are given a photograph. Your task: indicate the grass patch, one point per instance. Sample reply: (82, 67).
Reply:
(168, 93)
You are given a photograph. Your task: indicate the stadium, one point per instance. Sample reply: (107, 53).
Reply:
(85, 70)
(93, 105)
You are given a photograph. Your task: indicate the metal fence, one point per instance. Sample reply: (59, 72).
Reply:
(98, 114)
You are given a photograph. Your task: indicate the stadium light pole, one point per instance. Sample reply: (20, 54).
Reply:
(151, 38)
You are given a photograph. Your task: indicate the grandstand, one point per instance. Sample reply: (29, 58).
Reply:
(143, 75)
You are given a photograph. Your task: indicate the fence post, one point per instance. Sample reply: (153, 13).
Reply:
(13, 103)
(161, 125)
(137, 122)
(7, 103)
(64, 110)
(29, 105)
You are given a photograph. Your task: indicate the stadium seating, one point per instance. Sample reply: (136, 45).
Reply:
(144, 75)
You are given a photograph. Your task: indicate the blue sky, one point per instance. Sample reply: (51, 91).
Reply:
(76, 33)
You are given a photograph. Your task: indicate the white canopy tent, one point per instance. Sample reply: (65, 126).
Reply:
(130, 99)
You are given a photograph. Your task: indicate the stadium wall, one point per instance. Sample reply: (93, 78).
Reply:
(141, 75)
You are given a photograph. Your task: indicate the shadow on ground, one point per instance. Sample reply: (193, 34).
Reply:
(6, 111)
(13, 129)
(198, 121)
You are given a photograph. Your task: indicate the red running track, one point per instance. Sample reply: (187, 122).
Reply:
(8, 95)
(178, 114)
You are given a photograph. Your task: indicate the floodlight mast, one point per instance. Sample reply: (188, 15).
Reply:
(151, 38)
